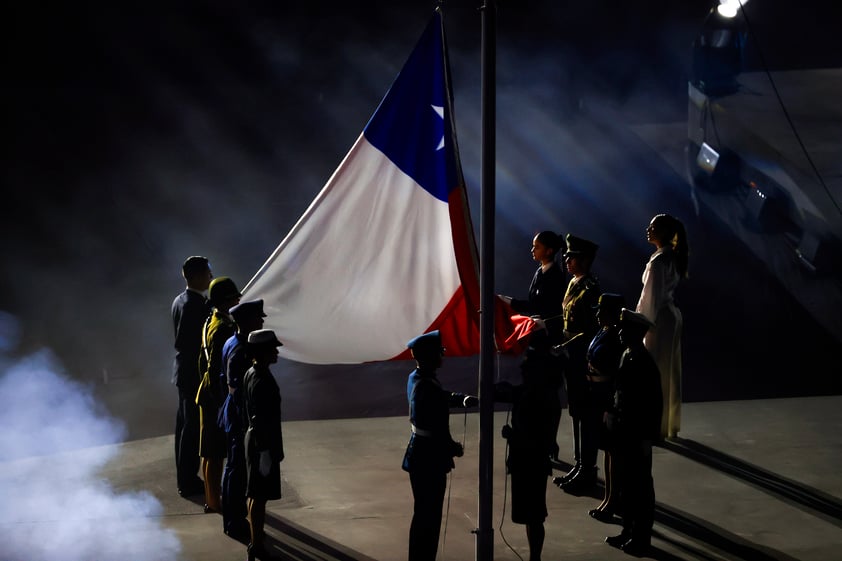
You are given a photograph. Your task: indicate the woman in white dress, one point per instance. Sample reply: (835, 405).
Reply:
(666, 267)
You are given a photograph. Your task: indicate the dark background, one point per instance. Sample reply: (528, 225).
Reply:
(140, 133)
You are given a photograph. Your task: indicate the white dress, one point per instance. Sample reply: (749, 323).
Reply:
(663, 341)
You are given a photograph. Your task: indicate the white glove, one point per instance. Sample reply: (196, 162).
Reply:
(506, 299)
(539, 323)
(265, 463)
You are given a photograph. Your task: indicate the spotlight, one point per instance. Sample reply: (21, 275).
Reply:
(718, 50)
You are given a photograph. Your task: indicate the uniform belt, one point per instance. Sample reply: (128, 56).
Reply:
(421, 432)
(597, 378)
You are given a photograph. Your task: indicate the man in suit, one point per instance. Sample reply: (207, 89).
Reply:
(189, 311)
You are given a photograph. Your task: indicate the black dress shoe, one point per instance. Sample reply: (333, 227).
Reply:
(560, 481)
(253, 552)
(618, 540)
(239, 531)
(636, 547)
(197, 487)
(583, 480)
(601, 515)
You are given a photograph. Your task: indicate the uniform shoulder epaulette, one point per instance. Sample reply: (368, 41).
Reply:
(591, 282)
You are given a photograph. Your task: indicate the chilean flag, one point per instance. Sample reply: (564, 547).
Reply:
(386, 250)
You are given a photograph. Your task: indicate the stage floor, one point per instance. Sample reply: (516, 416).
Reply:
(753, 480)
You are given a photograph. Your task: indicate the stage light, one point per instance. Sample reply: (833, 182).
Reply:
(730, 8)
(707, 158)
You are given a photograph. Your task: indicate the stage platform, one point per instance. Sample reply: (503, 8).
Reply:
(757, 480)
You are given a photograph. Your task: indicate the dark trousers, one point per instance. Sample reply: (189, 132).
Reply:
(590, 425)
(637, 493)
(599, 399)
(234, 479)
(428, 491)
(186, 438)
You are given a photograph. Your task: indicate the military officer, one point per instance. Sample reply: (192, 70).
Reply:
(580, 326)
(218, 328)
(431, 449)
(236, 360)
(636, 420)
(264, 440)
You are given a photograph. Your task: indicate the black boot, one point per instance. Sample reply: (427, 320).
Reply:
(561, 481)
(620, 540)
(582, 480)
(637, 546)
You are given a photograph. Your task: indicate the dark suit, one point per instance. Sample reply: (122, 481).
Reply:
(546, 293)
(428, 459)
(189, 311)
(638, 408)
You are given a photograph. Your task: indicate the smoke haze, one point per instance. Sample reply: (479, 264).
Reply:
(55, 439)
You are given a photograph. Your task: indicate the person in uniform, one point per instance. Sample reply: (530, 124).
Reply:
(636, 421)
(236, 360)
(264, 440)
(218, 328)
(189, 311)
(431, 449)
(665, 269)
(580, 326)
(531, 439)
(544, 306)
(603, 362)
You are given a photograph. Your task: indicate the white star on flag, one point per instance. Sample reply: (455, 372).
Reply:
(440, 112)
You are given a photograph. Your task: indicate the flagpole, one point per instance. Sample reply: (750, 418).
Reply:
(485, 530)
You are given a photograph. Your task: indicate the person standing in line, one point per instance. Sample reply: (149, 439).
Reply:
(580, 326)
(189, 311)
(264, 440)
(635, 420)
(544, 305)
(531, 438)
(431, 449)
(546, 290)
(665, 269)
(218, 328)
(603, 362)
(236, 360)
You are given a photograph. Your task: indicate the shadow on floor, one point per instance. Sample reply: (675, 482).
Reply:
(304, 545)
(711, 535)
(801, 496)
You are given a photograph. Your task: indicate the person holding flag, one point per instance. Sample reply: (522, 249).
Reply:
(431, 449)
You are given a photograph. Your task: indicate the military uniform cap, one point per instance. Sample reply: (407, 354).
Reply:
(264, 337)
(635, 318)
(427, 345)
(222, 288)
(611, 301)
(580, 246)
(250, 309)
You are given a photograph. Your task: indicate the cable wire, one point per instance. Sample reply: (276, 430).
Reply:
(505, 495)
(785, 112)
(450, 484)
